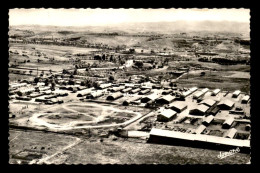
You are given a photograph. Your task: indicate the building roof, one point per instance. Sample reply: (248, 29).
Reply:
(115, 95)
(178, 104)
(201, 108)
(97, 93)
(84, 92)
(16, 85)
(152, 96)
(190, 91)
(229, 121)
(126, 90)
(137, 97)
(145, 91)
(215, 110)
(166, 91)
(199, 137)
(208, 102)
(168, 113)
(205, 90)
(230, 133)
(118, 88)
(200, 129)
(237, 92)
(186, 93)
(216, 91)
(105, 85)
(246, 98)
(27, 89)
(44, 88)
(228, 103)
(168, 98)
(208, 119)
(193, 89)
(136, 90)
(198, 94)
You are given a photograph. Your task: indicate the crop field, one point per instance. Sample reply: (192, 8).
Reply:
(52, 49)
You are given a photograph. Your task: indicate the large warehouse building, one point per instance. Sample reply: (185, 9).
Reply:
(178, 106)
(165, 100)
(226, 105)
(166, 115)
(199, 110)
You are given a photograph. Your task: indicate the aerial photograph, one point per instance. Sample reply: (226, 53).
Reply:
(129, 86)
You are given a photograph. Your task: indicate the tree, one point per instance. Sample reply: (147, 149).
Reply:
(46, 82)
(75, 72)
(166, 61)
(122, 62)
(53, 86)
(96, 84)
(111, 58)
(139, 64)
(111, 78)
(36, 80)
(71, 82)
(88, 83)
(64, 71)
(104, 57)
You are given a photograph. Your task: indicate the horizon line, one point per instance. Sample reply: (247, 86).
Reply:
(247, 22)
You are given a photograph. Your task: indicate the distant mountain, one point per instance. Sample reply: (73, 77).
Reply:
(149, 27)
(188, 26)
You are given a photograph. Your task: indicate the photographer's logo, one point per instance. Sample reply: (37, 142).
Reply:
(230, 153)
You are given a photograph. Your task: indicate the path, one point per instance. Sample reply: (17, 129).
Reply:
(58, 153)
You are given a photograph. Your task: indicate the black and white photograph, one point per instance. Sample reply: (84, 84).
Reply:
(129, 86)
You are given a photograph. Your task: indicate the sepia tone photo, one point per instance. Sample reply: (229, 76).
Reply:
(129, 86)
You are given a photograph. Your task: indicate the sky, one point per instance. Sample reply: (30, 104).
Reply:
(96, 17)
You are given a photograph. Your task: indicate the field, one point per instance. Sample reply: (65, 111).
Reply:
(15, 77)
(230, 79)
(64, 149)
(52, 50)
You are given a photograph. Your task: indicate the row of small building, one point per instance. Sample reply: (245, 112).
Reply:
(206, 107)
(26, 92)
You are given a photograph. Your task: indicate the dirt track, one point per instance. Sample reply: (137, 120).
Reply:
(35, 120)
